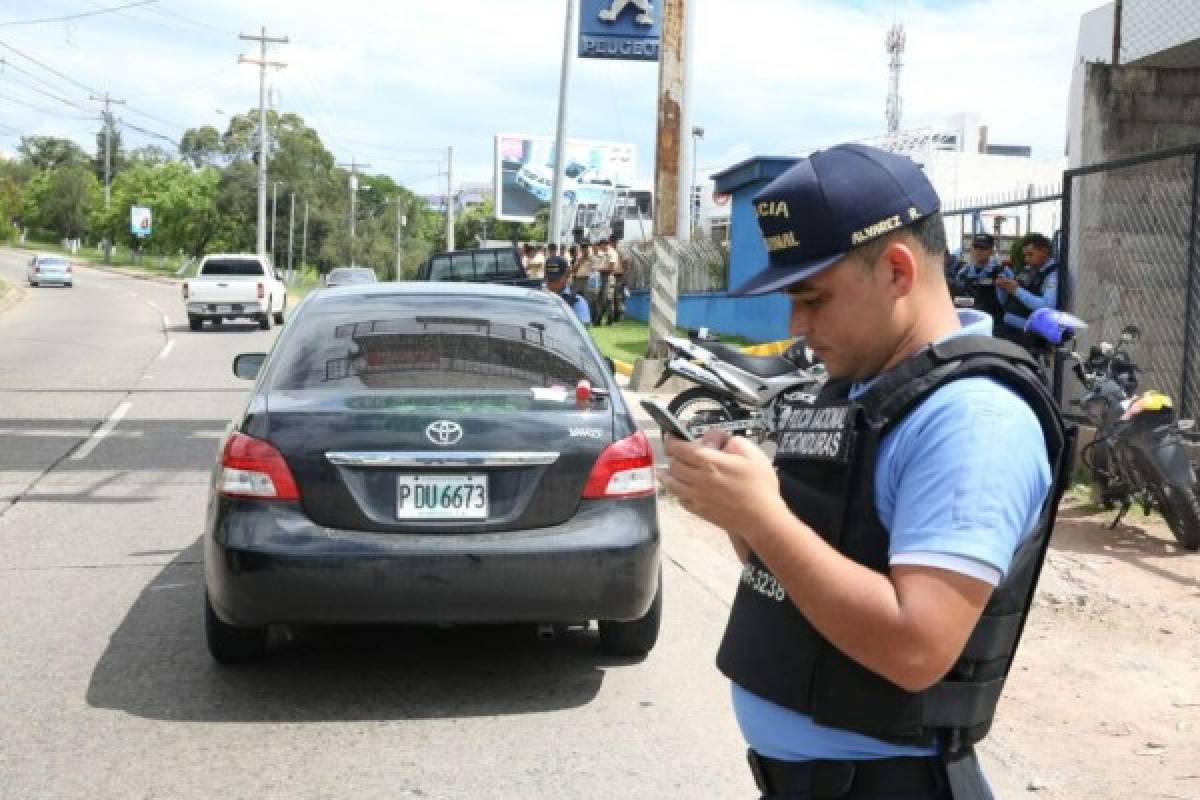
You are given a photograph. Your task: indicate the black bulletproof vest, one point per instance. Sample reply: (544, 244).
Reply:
(983, 291)
(826, 465)
(1032, 280)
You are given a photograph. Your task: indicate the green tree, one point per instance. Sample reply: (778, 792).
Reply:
(149, 154)
(201, 146)
(61, 200)
(183, 201)
(117, 160)
(50, 152)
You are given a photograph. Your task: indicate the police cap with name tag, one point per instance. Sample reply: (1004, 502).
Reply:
(826, 205)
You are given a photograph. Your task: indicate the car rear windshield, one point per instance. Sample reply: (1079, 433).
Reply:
(352, 275)
(446, 345)
(52, 261)
(232, 267)
(482, 265)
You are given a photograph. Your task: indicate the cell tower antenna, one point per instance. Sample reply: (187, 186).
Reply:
(895, 48)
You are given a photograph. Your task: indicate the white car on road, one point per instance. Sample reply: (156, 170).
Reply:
(232, 286)
(49, 268)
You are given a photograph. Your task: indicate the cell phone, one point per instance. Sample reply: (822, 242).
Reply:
(667, 421)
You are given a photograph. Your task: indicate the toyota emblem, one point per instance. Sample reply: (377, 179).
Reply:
(444, 432)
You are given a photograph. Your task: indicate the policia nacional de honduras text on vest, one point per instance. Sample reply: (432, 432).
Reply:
(826, 463)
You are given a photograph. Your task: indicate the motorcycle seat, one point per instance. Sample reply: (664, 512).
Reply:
(759, 366)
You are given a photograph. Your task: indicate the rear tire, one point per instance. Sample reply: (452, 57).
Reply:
(230, 644)
(279, 313)
(264, 322)
(194, 322)
(1181, 508)
(635, 637)
(699, 406)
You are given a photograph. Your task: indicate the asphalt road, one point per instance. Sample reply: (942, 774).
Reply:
(111, 413)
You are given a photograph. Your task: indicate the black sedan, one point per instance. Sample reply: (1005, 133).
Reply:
(432, 453)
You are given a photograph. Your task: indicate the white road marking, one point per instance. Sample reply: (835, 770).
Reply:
(167, 348)
(104, 430)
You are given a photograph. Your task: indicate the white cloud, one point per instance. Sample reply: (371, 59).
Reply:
(394, 84)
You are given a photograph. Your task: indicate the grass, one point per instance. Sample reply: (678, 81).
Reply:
(626, 341)
(122, 257)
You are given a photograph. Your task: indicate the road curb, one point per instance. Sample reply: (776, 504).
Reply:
(140, 276)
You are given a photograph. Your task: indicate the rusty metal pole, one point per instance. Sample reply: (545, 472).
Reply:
(669, 153)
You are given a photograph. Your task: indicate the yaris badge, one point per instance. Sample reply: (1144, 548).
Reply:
(444, 432)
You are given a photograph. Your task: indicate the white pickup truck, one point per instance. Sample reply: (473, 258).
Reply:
(233, 285)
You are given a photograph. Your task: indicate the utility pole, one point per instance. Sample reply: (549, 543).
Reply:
(262, 63)
(670, 169)
(354, 167)
(401, 221)
(108, 126)
(304, 238)
(560, 132)
(274, 193)
(449, 199)
(291, 235)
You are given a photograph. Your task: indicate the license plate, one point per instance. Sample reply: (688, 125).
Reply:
(442, 496)
(224, 308)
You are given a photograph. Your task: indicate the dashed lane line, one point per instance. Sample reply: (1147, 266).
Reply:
(103, 431)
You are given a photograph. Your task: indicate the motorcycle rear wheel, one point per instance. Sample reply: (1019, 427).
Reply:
(1181, 508)
(698, 407)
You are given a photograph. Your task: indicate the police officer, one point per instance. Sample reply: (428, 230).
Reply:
(978, 278)
(557, 278)
(1036, 286)
(886, 579)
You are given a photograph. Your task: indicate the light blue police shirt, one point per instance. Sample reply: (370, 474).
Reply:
(1047, 299)
(959, 483)
(972, 272)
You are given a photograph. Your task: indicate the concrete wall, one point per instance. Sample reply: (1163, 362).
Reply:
(1130, 248)
(1126, 111)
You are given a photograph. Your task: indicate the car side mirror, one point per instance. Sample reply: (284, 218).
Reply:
(247, 365)
(1131, 333)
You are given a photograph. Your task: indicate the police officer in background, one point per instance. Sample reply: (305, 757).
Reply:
(558, 282)
(1035, 287)
(886, 576)
(978, 277)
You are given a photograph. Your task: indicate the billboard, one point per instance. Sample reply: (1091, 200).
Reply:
(140, 220)
(621, 29)
(593, 173)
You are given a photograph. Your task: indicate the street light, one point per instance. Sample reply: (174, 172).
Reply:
(697, 135)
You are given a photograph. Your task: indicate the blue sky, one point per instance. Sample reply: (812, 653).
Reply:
(393, 84)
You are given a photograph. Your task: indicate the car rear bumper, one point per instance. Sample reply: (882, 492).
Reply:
(60, 279)
(269, 563)
(227, 310)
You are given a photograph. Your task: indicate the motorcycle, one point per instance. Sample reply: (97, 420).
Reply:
(1138, 453)
(734, 391)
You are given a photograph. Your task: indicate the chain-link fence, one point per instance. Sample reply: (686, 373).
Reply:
(1157, 33)
(1132, 257)
(703, 265)
(1008, 216)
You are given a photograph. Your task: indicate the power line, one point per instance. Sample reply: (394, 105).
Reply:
(52, 96)
(53, 111)
(81, 15)
(49, 69)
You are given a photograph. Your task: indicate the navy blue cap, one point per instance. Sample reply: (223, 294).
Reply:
(830, 203)
(555, 271)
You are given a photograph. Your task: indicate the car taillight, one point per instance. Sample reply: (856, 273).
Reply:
(261, 292)
(624, 469)
(253, 468)
(185, 290)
